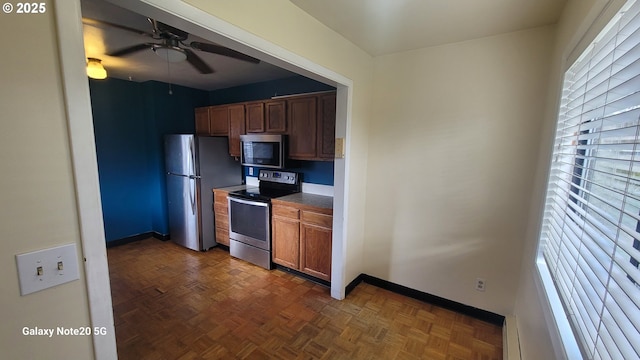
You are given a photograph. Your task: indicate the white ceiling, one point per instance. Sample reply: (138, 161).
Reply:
(146, 65)
(387, 26)
(377, 26)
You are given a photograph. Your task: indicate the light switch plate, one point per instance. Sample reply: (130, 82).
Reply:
(50, 260)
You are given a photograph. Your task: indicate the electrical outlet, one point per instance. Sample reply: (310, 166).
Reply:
(250, 170)
(42, 269)
(481, 284)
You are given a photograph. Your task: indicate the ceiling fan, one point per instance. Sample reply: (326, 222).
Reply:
(172, 45)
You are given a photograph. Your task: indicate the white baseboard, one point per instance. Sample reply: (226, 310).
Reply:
(510, 339)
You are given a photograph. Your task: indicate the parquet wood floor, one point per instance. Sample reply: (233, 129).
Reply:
(174, 303)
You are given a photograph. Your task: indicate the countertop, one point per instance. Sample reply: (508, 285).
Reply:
(312, 200)
(304, 199)
(233, 188)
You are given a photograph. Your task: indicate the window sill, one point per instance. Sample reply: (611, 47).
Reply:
(564, 341)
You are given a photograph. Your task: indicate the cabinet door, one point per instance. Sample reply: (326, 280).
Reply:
(236, 128)
(276, 117)
(221, 213)
(202, 121)
(285, 246)
(326, 126)
(315, 251)
(255, 117)
(302, 128)
(219, 120)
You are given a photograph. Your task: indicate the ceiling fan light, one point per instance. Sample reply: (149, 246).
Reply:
(170, 54)
(95, 70)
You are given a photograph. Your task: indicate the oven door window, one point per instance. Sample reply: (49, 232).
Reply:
(249, 222)
(258, 153)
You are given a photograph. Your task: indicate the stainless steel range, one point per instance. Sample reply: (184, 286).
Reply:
(250, 216)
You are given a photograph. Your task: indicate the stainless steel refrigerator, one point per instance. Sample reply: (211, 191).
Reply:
(195, 165)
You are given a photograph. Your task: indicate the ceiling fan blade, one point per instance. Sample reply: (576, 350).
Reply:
(197, 62)
(221, 50)
(130, 49)
(94, 22)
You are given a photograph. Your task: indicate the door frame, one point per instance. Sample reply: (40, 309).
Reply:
(82, 144)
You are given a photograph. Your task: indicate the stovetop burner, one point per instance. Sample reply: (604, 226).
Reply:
(262, 194)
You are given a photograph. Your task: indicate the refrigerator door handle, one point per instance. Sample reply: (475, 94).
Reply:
(192, 194)
(192, 153)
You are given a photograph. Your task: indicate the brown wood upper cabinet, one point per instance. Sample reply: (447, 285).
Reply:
(312, 126)
(266, 116)
(327, 126)
(275, 116)
(219, 120)
(308, 120)
(236, 127)
(212, 121)
(202, 121)
(255, 117)
(303, 127)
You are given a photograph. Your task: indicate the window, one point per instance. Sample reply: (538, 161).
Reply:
(590, 232)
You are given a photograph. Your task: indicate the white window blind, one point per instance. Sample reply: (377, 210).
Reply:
(591, 226)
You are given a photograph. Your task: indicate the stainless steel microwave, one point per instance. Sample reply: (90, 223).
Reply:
(262, 150)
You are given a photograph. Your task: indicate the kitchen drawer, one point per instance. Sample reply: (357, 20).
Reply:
(285, 211)
(317, 219)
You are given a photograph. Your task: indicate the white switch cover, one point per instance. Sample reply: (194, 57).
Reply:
(50, 261)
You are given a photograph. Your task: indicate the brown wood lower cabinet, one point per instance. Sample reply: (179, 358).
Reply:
(302, 238)
(285, 247)
(221, 211)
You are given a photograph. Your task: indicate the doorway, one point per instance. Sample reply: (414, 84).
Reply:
(78, 104)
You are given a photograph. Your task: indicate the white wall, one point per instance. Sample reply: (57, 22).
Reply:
(37, 201)
(455, 129)
(579, 23)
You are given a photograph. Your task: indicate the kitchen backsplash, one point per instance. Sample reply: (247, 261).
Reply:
(313, 172)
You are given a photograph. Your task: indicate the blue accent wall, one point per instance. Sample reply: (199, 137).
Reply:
(130, 120)
(316, 172)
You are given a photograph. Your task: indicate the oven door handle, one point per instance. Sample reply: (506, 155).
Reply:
(248, 202)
